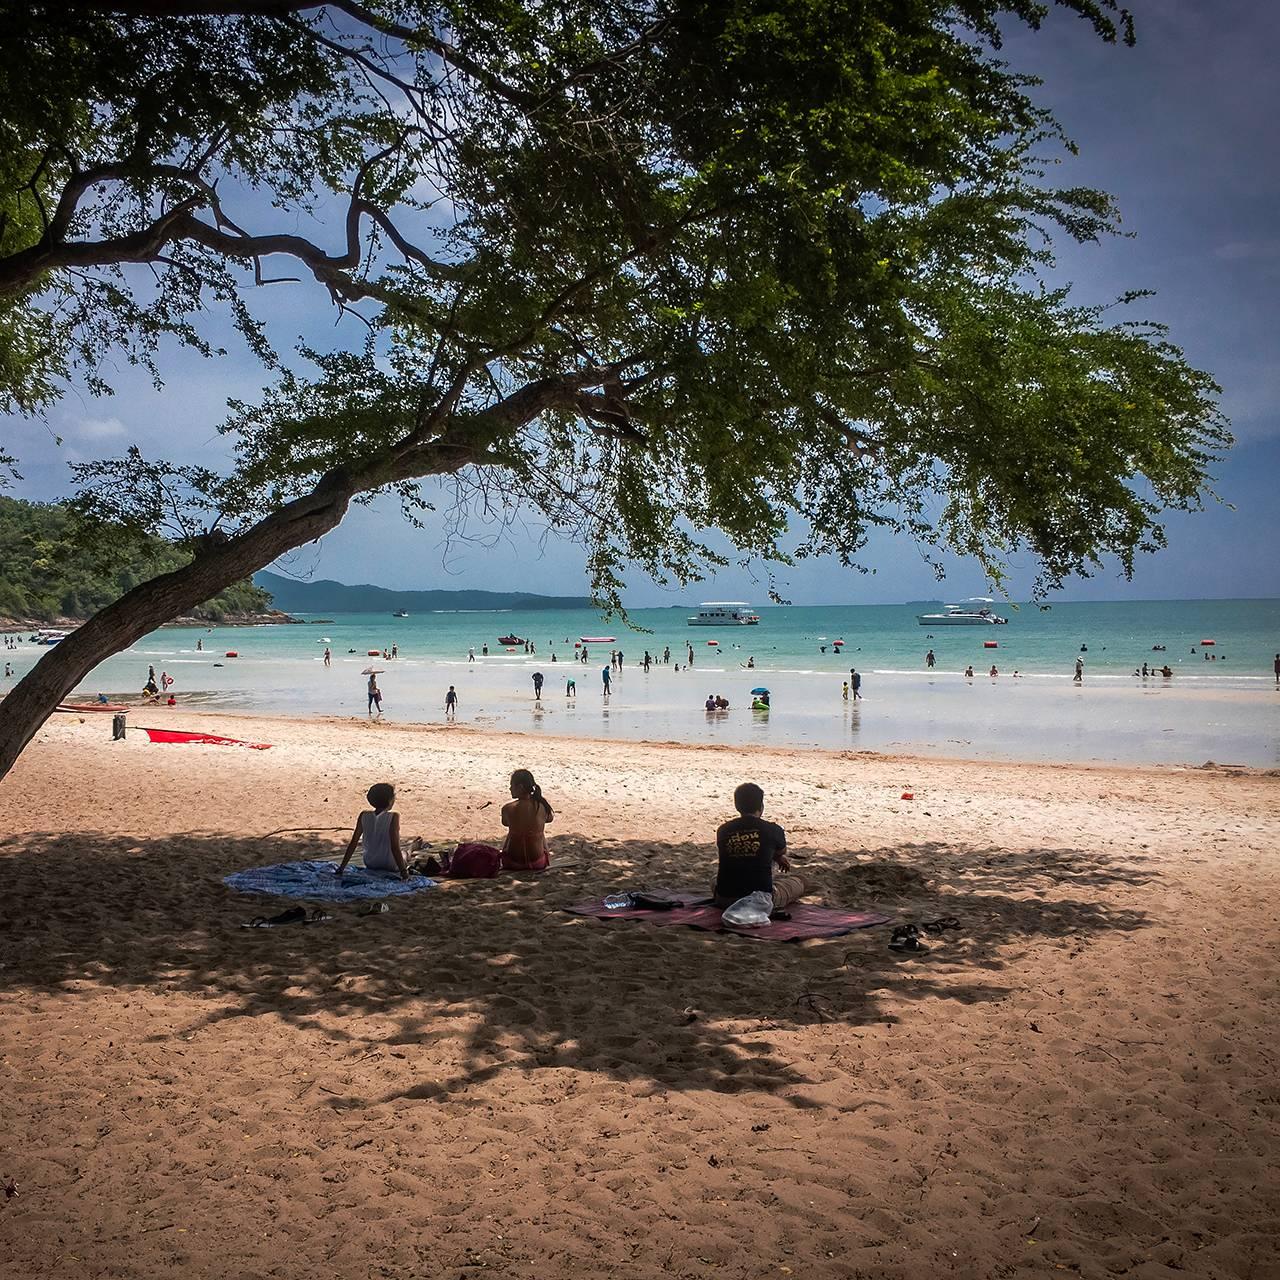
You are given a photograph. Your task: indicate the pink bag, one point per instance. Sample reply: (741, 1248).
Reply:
(475, 862)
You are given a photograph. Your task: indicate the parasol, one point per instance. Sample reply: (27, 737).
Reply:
(754, 692)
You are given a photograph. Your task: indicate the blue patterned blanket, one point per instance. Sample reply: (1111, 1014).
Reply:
(316, 880)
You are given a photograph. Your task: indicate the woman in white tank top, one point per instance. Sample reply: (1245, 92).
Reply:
(379, 832)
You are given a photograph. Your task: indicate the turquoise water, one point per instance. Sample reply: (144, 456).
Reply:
(1225, 708)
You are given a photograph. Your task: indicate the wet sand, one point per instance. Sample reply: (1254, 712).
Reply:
(1080, 1079)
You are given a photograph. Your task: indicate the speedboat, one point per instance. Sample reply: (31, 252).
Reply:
(975, 612)
(510, 640)
(47, 637)
(400, 613)
(724, 613)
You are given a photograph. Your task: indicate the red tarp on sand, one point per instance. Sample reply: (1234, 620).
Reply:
(182, 735)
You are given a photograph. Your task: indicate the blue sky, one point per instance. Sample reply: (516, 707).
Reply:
(1180, 129)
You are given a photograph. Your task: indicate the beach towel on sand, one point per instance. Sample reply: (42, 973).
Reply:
(806, 921)
(316, 880)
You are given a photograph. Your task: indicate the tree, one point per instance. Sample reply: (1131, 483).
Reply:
(651, 266)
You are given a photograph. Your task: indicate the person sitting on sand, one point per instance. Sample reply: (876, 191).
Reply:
(379, 831)
(525, 816)
(749, 849)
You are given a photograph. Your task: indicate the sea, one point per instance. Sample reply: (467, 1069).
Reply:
(1221, 704)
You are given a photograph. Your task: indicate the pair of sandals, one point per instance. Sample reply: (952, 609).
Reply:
(294, 915)
(906, 937)
(299, 915)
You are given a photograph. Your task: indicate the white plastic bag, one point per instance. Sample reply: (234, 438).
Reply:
(754, 909)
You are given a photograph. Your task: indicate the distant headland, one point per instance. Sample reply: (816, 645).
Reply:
(327, 596)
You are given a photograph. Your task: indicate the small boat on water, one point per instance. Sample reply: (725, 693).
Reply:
(724, 613)
(975, 612)
(510, 640)
(400, 613)
(49, 637)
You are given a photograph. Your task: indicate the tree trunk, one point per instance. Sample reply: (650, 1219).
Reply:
(150, 604)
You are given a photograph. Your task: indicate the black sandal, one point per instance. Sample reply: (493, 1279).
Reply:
(906, 937)
(937, 926)
(294, 915)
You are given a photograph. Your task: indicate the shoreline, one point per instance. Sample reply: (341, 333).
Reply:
(183, 717)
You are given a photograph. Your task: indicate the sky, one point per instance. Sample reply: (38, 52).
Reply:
(1180, 129)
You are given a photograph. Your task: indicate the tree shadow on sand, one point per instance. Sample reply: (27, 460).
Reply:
(482, 977)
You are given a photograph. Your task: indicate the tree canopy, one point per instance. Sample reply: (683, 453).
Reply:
(653, 267)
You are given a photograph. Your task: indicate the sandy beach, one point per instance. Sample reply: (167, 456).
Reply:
(1081, 1079)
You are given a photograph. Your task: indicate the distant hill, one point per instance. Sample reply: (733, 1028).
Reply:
(336, 597)
(49, 572)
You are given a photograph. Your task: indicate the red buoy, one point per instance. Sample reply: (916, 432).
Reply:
(1206, 642)
(990, 644)
(231, 653)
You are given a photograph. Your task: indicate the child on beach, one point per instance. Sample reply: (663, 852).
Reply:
(379, 831)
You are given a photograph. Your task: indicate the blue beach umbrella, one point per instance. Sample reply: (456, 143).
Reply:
(758, 691)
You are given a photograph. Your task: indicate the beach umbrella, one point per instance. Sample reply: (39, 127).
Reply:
(373, 671)
(757, 691)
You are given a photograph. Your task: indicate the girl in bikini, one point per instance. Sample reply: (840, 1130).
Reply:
(525, 816)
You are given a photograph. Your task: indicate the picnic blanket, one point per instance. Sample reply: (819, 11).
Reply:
(316, 880)
(696, 912)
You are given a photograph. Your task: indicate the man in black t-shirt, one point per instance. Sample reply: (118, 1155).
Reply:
(749, 849)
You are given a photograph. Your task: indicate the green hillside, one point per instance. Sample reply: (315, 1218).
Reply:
(47, 571)
(327, 596)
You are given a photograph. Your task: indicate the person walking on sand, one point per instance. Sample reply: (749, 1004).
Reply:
(1079, 676)
(451, 704)
(845, 691)
(328, 658)
(378, 830)
(855, 683)
(570, 688)
(929, 660)
(471, 655)
(749, 849)
(375, 694)
(1276, 668)
(607, 679)
(537, 686)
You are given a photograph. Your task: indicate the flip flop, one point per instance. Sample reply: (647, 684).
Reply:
(937, 926)
(374, 909)
(318, 917)
(906, 938)
(293, 915)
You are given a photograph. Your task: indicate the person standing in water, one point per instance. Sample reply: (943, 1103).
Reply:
(855, 683)
(537, 686)
(1079, 676)
(929, 660)
(607, 680)
(1276, 667)
(375, 694)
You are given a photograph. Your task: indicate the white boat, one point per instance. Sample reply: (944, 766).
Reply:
(400, 613)
(47, 637)
(975, 612)
(724, 613)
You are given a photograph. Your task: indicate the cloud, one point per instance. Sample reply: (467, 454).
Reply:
(1245, 250)
(97, 428)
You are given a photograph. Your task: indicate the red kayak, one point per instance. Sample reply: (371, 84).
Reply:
(91, 706)
(183, 735)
